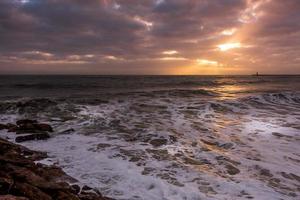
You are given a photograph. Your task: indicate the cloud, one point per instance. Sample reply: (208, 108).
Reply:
(107, 35)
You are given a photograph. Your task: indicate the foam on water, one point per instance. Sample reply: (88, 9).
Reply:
(183, 145)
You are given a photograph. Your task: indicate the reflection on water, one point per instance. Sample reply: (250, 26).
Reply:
(172, 137)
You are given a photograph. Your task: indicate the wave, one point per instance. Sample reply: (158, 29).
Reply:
(284, 98)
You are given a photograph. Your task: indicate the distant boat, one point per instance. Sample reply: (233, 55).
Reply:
(255, 74)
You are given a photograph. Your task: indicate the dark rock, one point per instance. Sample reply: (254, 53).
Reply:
(226, 145)
(29, 191)
(64, 195)
(26, 121)
(158, 142)
(75, 189)
(10, 197)
(231, 169)
(26, 128)
(31, 126)
(279, 135)
(5, 185)
(11, 127)
(22, 179)
(173, 138)
(85, 187)
(212, 143)
(191, 161)
(38, 136)
(265, 172)
(3, 126)
(43, 127)
(68, 131)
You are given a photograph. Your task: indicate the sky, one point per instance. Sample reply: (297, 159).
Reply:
(173, 37)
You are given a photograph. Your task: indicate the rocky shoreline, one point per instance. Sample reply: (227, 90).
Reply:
(22, 178)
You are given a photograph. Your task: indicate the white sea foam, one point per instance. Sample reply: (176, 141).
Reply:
(110, 151)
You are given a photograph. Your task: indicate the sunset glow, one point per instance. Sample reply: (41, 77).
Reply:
(149, 37)
(228, 46)
(207, 62)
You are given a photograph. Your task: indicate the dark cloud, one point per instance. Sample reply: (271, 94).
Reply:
(115, 34)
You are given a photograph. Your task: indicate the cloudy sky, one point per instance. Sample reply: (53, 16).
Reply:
(149, 36)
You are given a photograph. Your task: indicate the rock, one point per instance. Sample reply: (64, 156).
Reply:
(32, 126)
(158, 142)
(26, 121)
(279, 135)
(11, 127)
(75, 189)
(191, 161)
(10, 197)
(226, 145)
(3, 126)
(211, 143)
(223, 159)
(43, 127)
(26, 128)
(62, 195)
(173, 138)
(22, 179)
(29, 191)
(85, 187)
(5, 185)
(266, 172)
(68, 131)
(231, 169)
(38, 136)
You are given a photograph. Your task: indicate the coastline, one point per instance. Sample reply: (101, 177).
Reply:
(21, 178)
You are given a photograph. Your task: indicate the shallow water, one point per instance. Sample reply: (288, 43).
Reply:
(167, 137)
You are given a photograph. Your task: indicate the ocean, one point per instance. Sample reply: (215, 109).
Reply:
(166, 137)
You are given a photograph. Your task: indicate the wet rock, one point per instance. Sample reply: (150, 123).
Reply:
(207, 189)
(208, 142)
(26, 121)
(226, 145)
(43, 127)
(279, 135)
(3, 126)
(10, 197)
(173, 138)
(29, 191)
(38, 136)
(158, 142)
(291, 176)
(68, 131)
(231, 169)
(26, 128)
(194, 144)
(76, 189)
(191, 161)
(5, 185)
(32, 126)
(11, 127)
(148, 170)
(22, 179)
(223, 159)
(85, 188)
(265, 172)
